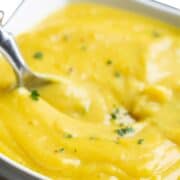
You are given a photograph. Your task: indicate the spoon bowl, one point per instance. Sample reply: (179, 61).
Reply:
(25, 77)
(8, 47)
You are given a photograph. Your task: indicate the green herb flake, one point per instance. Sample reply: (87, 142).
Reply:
(38, 55)
(92, 138)
(140, 141)
(117, 74)
(84, 47)
(114, 114)
(116, 142)
(68, 136)
(156, 34)
(109, 62)
(35, 95)
(75, 150)
(59, 150)
(124, 131)
(65, 37)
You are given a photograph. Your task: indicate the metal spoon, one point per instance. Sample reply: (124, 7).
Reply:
(9, 49)
(25, 77)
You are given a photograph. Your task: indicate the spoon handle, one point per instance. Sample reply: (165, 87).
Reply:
(10, 51)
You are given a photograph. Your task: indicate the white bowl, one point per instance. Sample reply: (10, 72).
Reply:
(33, 11)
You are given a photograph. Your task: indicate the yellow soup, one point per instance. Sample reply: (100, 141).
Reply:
(115, 113)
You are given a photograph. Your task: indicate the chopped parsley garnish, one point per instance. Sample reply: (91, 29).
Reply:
(65, 37)
(156, 34)
(84, 47)
(92, 138)
(140, 141)
(115, 114)
(124, 131)
(75, 150)
(38, 55)
(117, 74)
(59, 150)
(109, 62)
(116, 142)
(35, 95)
(68, 135)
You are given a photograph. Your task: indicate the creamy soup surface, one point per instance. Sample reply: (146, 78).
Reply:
(115, 113)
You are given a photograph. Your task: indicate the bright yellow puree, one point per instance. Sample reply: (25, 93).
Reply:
(115, 114)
